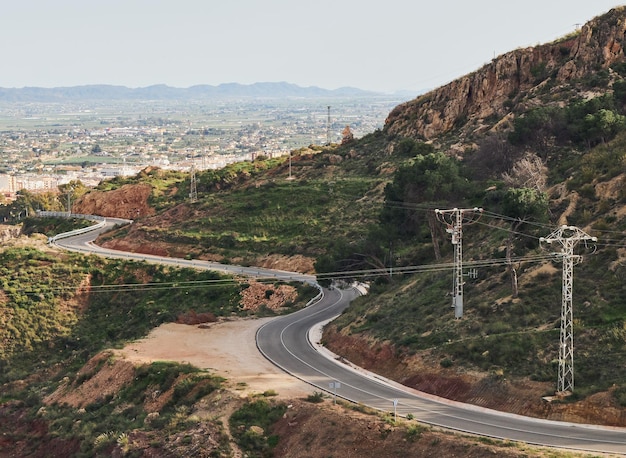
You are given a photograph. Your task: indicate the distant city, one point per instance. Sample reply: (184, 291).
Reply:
(47, 144)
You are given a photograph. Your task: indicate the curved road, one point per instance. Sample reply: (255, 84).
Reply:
(285, 342)
(84, 243)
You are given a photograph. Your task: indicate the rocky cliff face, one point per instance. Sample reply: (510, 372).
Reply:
(481, 99)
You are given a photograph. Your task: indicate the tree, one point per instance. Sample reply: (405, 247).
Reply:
(407, 147)
(594, 121)
(603, 125)
(539, 128)
(521, 204)
(425, 181)
(27, 203)
(363, 254)
(72, 191)
(619, 93)
(493, 156)
(528, 172)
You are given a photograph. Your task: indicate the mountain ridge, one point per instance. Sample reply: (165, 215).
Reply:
(165, 92)
(508, 85)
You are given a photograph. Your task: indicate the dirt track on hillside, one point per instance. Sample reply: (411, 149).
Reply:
(226, 348)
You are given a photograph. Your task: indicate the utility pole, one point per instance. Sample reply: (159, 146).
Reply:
(70, 190)
(568, 237)
(193, 193)
(454, 219)
(328, 128)
(290, 177)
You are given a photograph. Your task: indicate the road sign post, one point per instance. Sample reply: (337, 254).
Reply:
(333, 386)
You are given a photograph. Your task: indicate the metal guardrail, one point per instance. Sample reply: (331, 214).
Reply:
(319, 296)
(102, 222)
(69, 215)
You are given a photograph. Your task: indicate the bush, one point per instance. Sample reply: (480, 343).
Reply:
(246, 421)
(620, 395)
(414, 432)
(315, 398)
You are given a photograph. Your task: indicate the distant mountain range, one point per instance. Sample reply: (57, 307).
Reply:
(164, 92)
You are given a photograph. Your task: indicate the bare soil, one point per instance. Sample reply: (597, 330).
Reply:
(328, 430)
(226, 348)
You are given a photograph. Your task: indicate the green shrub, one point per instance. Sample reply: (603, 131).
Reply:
(414, 432)
(261, 414)
(315, 398)
(620, 395)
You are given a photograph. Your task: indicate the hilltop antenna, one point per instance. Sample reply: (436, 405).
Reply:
(193, 192)
(453, 219)
(328, 128)
(568, 237)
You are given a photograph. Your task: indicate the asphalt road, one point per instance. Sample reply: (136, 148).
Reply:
(285, 342)
(84, 243)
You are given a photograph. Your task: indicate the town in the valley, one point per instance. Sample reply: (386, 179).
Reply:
(44, 145)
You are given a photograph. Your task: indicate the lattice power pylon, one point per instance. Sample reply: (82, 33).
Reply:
(568, 237)
(454, 220)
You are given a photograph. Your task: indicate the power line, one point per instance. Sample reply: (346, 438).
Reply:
(425, 268)
(609, 242)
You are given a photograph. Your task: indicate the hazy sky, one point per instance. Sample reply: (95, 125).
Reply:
(383, 45)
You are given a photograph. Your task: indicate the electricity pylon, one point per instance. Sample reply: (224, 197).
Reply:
(454, 220)
(568, 237)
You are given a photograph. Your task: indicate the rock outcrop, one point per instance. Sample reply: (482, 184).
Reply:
(491, 92)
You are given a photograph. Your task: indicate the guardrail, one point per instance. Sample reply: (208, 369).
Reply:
(319, 296)
(102, 222)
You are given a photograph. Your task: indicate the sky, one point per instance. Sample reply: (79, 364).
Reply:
(383, 45)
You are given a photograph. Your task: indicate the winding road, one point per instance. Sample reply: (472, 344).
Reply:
(285, 341)
(84, 243)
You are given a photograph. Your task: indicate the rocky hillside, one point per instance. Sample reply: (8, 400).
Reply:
(509, 83)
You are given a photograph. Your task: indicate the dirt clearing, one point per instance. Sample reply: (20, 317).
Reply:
(226, 348)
